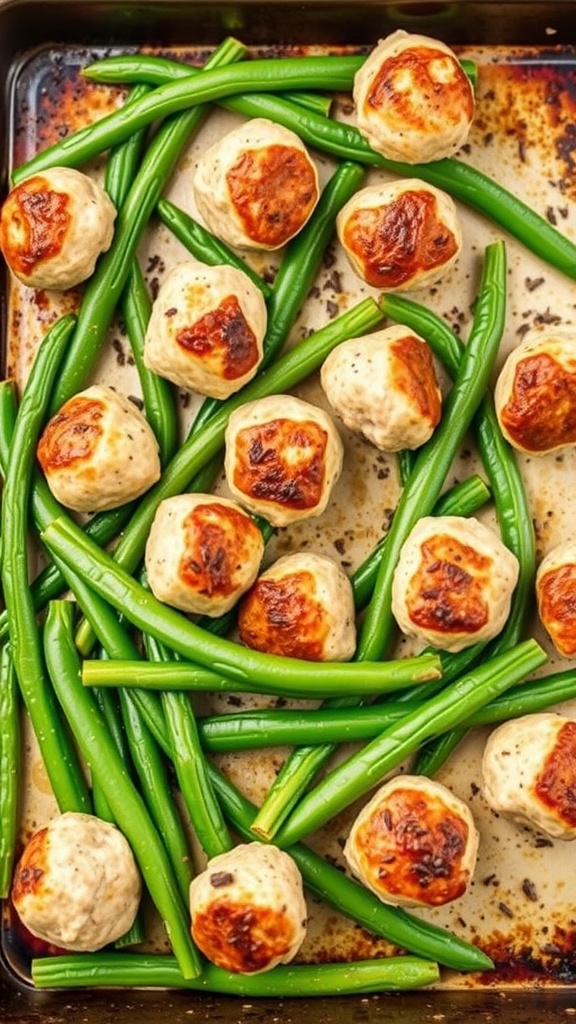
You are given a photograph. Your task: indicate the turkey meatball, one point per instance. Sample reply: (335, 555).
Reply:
(248, 910)
(300, 607)
(202, 553)
(76, 884)
(400, 235)
(98, 451)
(414, 844)
(555, 589)
(414, 102)
(283, 457)
(53, 227)
(453, 583)
(535, 393)
(257, 186)
(384, 387)
(529, 773)
(206, 329)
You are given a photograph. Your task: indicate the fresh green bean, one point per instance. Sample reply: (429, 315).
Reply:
(10, 753)
(141, 971)
(101, 755)
(355, 900)
(192, 774)
(156, 789)
(202, 244)
(190, 765)
(332, 73)
(104, 289)
(241, 670)
(124, 159)
(461, 180)
(435, 457)
(54, 742)
(448, 709)
(159, 400)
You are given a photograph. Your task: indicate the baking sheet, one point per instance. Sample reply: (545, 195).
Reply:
(521, 906)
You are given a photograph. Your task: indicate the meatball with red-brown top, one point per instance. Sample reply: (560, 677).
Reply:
(283, 457)
(384, 386)
(76, 884)
(535, 394)
(302, 606)
(414, 102)
(206, 329)
(257, 186)
(53, 227)
(529, 773)
(555, 590)
(202, 553)
(414, 844)
(400, 235)
(248, 909)
(453, 583)
(98, 451)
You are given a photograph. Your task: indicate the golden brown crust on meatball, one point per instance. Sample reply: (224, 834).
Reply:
(555, 590)
(414, 844)
(400, 235)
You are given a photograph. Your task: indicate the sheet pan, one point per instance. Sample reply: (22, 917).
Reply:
(521, 908)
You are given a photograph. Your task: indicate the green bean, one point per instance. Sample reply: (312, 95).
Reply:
(241, 670)
(156, 789)
(159, 401)
(436, 456)
(124, 159)
(10, 753)
(332, 73)
(141, 971)
(100, 753)
(355, 901)
(54, 742)
(448, 709)
(344, 141)
(202, 244)
(190, 764)
(298, 270)
(198, 450)
(104, 289)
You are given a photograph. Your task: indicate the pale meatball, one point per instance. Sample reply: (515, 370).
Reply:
(206, 329)
(529, 773)
(283, 457)
(414, 844)
(98, 452)
(384, 387)
(453, 583)
(302, 606)
(53, 227)
(414, 102)
(400, 235)
(77, 884)
(555, 589)
(535, 393)
(257, 186)
(248, 909)
(202, 553)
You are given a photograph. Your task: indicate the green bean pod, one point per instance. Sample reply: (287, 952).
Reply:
(10, 753)
(141, 971)
(101, 754)
(57, 750)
